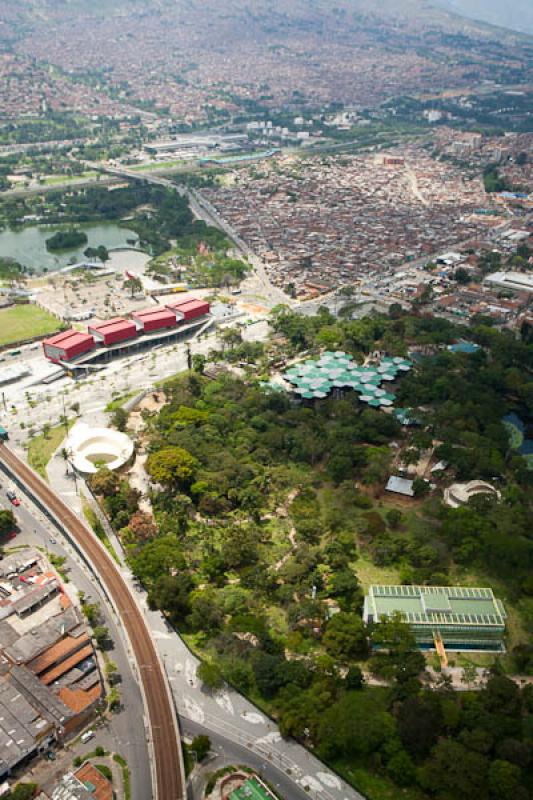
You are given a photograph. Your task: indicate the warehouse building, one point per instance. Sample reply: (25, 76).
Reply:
(68, 345)
(154, 319)
(187, 310)
(49, 680)
(113, 331)
(515, 281)
(119, 336)
(458, 617)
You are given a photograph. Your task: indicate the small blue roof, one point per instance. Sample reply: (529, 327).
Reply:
(464, 347)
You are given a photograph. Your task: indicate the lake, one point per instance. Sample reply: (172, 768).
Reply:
(28, 245)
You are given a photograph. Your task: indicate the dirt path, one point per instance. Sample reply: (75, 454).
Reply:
(413, 184)
(283, 512)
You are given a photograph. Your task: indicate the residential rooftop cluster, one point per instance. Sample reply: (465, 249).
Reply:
(28, 89)
(505, 295)
(84, 783)
(511, 153)
(49, 679)
(273, 57)
(334, 220)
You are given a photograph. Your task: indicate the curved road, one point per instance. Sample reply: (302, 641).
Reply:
(162, 721)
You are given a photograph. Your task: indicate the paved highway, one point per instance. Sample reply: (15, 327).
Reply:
(165, 740)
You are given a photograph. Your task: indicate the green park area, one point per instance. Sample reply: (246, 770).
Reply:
(270, 521)
(25, 322)
(208, 266)
(158, 215)
(41, 448)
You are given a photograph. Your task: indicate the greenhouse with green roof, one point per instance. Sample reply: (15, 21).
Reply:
(462, 618)
(316, 378)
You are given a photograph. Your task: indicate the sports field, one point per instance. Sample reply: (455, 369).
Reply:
(251, 790)
(21, 323)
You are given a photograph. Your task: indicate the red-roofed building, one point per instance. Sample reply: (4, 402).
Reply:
(98, 785)
(67, 345)
(155, 319)
(114, 331)
(189, 309)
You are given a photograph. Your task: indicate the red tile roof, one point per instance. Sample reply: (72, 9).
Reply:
(103, 789)
(66, 665)
(57, 651)
(78, 699)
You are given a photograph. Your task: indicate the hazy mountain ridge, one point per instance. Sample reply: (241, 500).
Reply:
(41, 11)
(517, 15)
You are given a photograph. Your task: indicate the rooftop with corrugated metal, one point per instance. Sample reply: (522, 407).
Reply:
(111, 325)
(67, 338)
(153, 313)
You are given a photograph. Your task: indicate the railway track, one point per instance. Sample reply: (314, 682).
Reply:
(167, 769)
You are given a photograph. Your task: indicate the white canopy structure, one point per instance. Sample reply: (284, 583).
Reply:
(90, 448)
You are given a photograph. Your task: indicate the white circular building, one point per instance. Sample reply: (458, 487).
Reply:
(91, 448)
(458, 494)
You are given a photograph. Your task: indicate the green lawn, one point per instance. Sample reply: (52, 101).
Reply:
(42, 448)
(22, 323)
(159, 165)
(118, 402)
(368, 573)
(52, 180)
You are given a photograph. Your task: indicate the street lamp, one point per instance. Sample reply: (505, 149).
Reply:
(65, 420)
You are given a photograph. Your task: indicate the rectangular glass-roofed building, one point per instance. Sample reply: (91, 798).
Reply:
(464, 618)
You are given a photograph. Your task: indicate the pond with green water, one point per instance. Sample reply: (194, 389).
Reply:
(28, 245)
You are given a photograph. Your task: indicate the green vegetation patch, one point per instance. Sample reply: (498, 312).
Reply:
(126, 775)
(26, 322)
(268, 516)
(119, 402)
(158, 215)
(66, 240)
(10, 269)
(99, 530)
(41, 448)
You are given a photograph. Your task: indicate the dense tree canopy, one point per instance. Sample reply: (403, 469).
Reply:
(268, 515)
